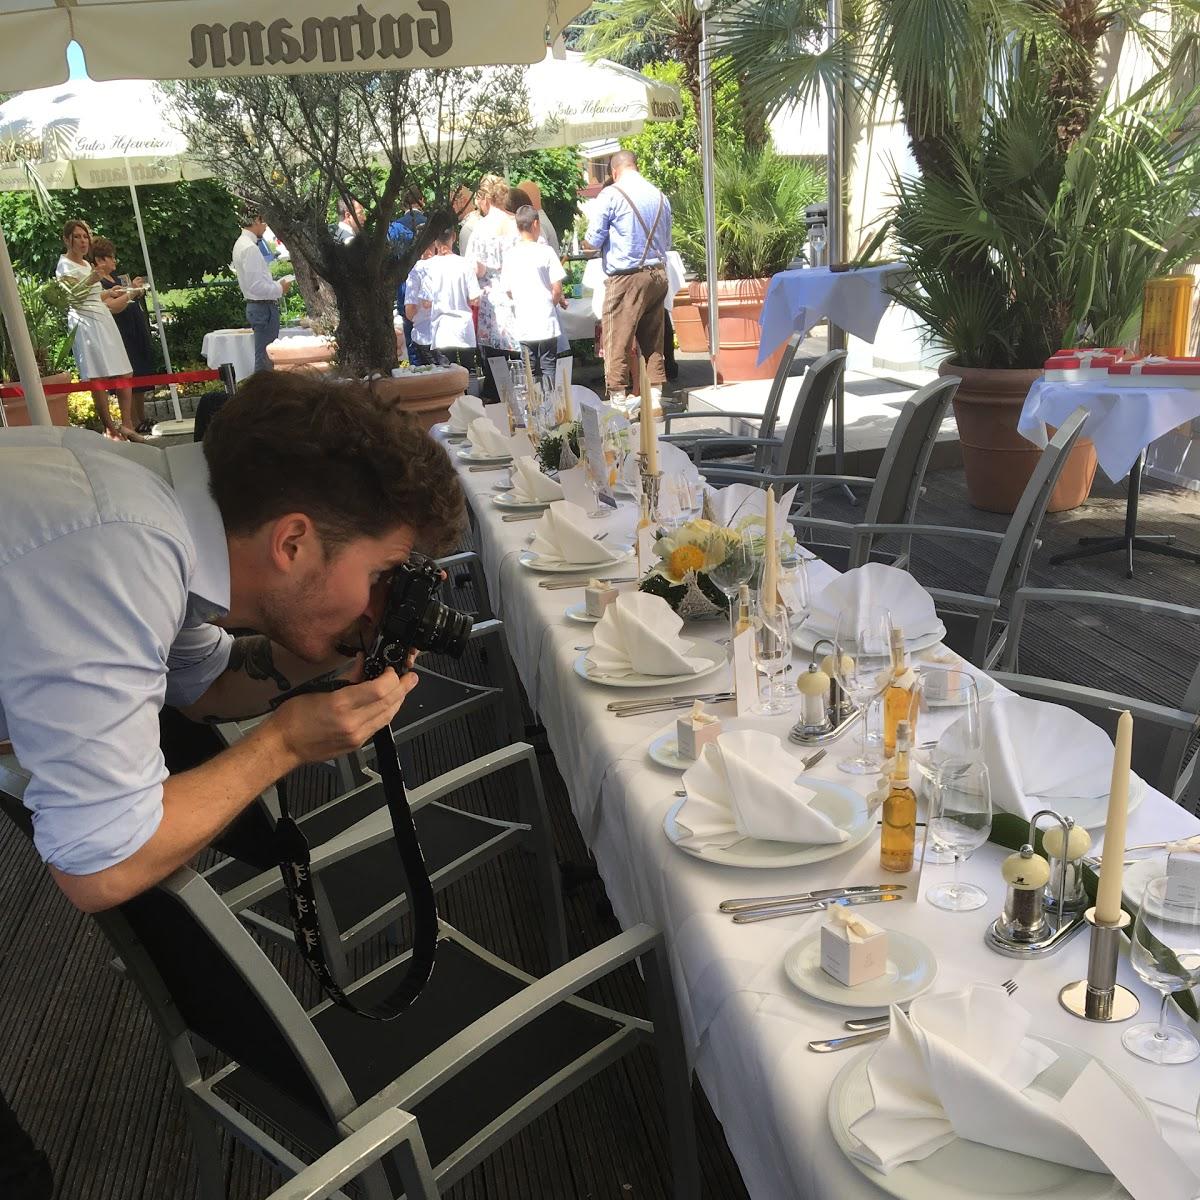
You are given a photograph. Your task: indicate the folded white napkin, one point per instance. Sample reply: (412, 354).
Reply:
(671, 461)
(1038, 755)
(563, 535)
(463, 411)
(529, 484)
(875, 584)
(639, 635)
(744, 786)
(487, 441)
(733, 504)
(956, 1065)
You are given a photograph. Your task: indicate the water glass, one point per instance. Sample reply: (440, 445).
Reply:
(960, 820)
(731, 563)
(1165, 951)
(772, 654)
(793, 587)
(862, 663)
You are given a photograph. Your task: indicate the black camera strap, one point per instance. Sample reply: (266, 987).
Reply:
(295, 864)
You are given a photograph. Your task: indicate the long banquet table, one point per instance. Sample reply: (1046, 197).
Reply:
(745, 1026)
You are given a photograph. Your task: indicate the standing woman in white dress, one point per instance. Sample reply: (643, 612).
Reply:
(97, 344)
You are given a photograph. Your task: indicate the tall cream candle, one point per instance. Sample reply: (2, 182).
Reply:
(649, 438)
(531, 398)
(770, 583)
(1108, 891)
(568, 403)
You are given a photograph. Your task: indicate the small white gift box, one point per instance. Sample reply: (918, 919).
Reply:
(853, 949)
(695, 731)
(597, 596)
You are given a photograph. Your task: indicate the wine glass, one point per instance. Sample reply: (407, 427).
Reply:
(772, 653)
(793, 587)
(960, 820)
(862, 663)
(732, 564)
(1165, 951)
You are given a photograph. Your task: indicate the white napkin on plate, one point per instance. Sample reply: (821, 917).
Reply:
(733, 504)
(744, 785)
(875, 584)
(563, 535)
(956, 1065)
(671, 461)
(529, 484)
(639, 635)
(487, 441)
(463, 411)
(1038, 755)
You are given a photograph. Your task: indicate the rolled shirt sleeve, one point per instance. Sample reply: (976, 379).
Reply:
(88, 641)
(597, 233)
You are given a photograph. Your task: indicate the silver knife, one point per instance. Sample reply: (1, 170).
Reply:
(498, 467)
(621, 705)
(558, 584)
(667, 706)
(850, 1040)
(745, 902)
(749, 916)
(862, 1024)
(537, 516)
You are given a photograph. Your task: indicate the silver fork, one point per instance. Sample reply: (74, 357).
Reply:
(869, 1032)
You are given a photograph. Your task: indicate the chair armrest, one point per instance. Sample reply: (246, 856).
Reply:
(983, 604)
(1059, 692)
(766, 477)
(715, 415)
(983, 535)
(1074, 596)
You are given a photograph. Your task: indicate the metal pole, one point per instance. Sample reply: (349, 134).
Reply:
(22, 345)
(162, 335)
(710, 196)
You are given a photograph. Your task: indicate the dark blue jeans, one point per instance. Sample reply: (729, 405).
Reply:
(263, 318)
(542, 357)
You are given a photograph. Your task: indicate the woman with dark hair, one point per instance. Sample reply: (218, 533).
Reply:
(132, 323)
(96, 341)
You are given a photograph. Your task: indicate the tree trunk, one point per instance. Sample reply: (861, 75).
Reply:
(1074, 81)
(318, 296)
(366, 334)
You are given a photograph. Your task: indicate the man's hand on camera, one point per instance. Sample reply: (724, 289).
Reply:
(320, 726)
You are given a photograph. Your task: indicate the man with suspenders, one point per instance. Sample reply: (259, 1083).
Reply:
(631, 227)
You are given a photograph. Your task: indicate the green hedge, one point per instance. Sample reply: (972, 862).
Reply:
(215, 305)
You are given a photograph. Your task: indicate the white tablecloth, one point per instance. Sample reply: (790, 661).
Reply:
(236, 346)
(745, 1026)
(577, 320)
(1122, 421)
(796, 300)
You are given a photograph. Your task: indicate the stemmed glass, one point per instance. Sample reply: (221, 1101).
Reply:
(862, 660)
(960, 820)
(601, 475)
(772, 653)
(732, 559)
(793, 587)
(1165, 951)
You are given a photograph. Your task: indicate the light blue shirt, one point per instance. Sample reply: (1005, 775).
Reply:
(617, 233)
(108, 579)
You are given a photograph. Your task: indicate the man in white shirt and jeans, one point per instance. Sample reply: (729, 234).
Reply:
(533, 277)
(261, 291)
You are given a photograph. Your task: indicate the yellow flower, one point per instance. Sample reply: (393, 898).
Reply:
(685, 558)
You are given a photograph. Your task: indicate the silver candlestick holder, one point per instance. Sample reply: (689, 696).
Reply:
(651, 486)
(1100, 997)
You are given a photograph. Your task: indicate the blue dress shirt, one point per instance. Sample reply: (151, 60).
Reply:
(619, 235)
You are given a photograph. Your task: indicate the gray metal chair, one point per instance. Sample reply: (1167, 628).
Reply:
(1165, 736)
(974, 626)
(896, 488)
(483, 1051)
(702, 445)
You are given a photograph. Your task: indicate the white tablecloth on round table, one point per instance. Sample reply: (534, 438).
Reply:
(577, 320)
(745, 1026)
(1122, 421)
(853, 300)
(236, 346)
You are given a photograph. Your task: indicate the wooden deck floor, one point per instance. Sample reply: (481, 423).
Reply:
(82, 1065)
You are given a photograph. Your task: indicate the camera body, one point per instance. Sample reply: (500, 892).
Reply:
(415, 619)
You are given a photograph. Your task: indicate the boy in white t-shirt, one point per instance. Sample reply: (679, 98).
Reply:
(449, 287)
(533, 276)
(419, 351)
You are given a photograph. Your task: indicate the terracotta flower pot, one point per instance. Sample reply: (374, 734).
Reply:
(301, 353)
(690, 332)
(427, 396)
(17, 413)
(738, 329)
(997, 460)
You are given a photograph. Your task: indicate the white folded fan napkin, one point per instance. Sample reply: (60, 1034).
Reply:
(874, 585)
(1038, 755)
(734, 503)
(487, 441)
(563, 535)
(530, 485)
(744, 786)
(639, 635)
(956, 1065)
(463, 411)
(671, 462)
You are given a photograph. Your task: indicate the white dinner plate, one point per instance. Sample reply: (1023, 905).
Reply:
(467, 454)
(841, 804)
(911, 970)
(507, 500)
(965, 1169)
(1092, 811)
(664, 750)
(712, 651)
(535, 563)
(502, 485)
(985, 685)
(450, 434)
(1138, 874)
(805, 638)
(578, 612)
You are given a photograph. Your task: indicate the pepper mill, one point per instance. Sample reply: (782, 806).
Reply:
(1023, 918)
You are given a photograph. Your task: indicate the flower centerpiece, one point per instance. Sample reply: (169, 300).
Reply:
(549, 448)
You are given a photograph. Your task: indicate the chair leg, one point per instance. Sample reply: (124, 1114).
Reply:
(535, 814)
(206, 1144)
(676, 1077)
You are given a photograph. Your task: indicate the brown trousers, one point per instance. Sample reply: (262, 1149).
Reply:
(633, 308)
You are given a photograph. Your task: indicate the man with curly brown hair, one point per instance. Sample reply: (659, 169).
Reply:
(121, 571)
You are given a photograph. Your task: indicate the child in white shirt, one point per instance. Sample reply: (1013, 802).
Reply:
(419, 354)
(448, 289)
(533, 276)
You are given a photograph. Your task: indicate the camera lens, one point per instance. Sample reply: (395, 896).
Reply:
(442, 629)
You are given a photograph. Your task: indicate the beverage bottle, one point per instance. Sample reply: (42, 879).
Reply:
(898, 696)
(899, 837)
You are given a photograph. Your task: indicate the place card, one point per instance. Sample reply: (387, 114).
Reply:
(575, 486)
(745, 677)
(593, 449)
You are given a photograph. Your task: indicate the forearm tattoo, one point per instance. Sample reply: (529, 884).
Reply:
(255, 658)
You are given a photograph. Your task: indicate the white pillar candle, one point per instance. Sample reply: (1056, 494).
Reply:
(649, 440)
(1108, 891)
(568, 401)
(770, 583)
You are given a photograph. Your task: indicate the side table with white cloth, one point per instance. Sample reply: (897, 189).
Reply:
(746, 1024)
(1122, 422)
(236, 347)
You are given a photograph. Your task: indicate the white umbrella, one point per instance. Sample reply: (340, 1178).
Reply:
(192, 39)
(95, 135)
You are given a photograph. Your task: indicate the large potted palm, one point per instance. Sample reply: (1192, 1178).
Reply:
(760, 202)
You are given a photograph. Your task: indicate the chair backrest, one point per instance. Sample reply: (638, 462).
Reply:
(901, 473)
(783, 372)
(797, 453)
(1011, 566)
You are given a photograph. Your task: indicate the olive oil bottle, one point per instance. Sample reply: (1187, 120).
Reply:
(899, 837)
